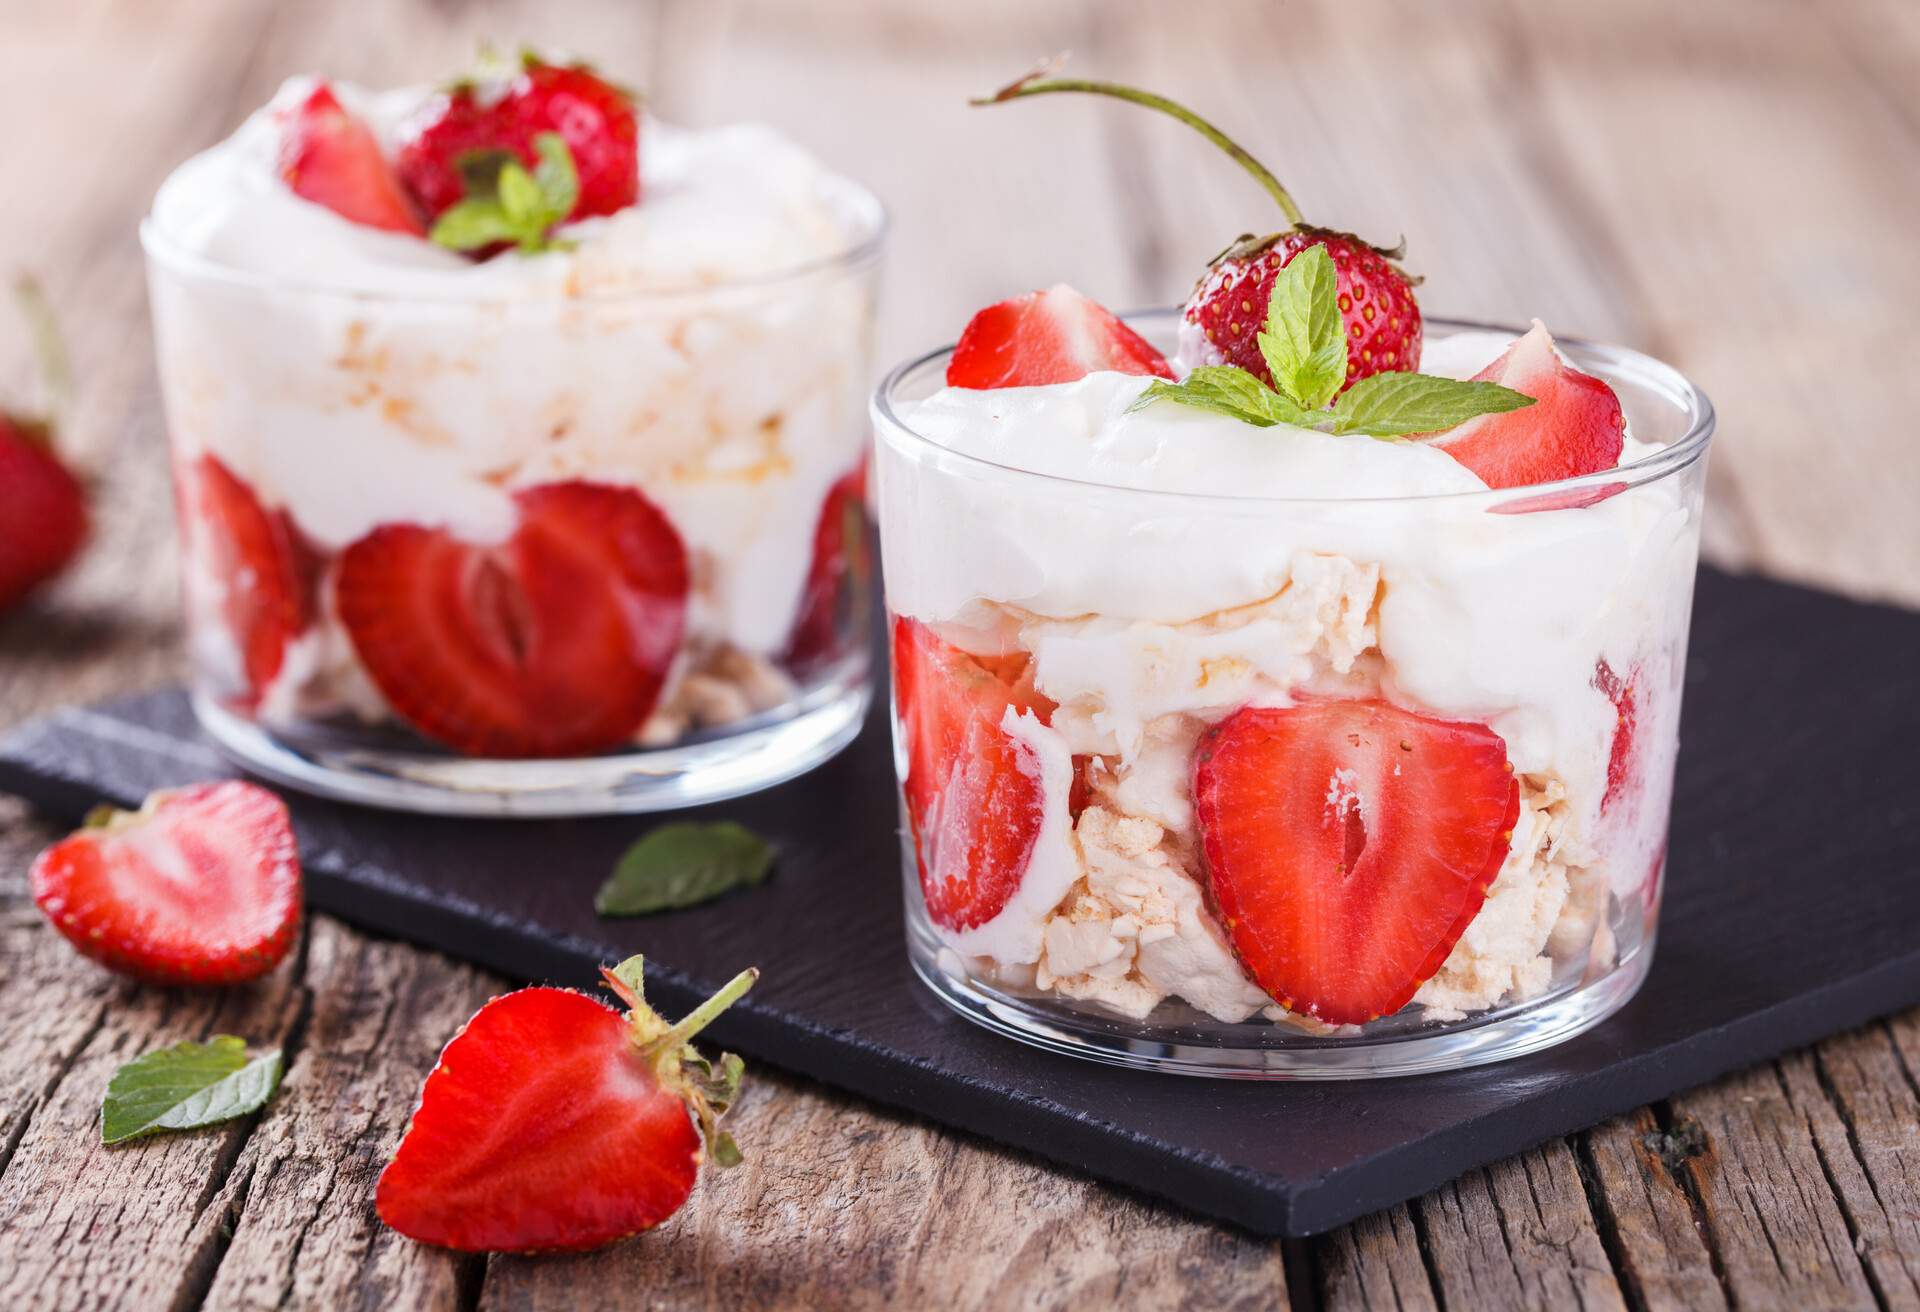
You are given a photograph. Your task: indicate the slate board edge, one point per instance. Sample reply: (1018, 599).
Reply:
(1201, 1182)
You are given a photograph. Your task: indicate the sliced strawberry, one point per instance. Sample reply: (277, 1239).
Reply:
(1575, 427)
(1624, 694)
(330, 158)
(554, 643)
(266, 574)
(1349, 844)
(200, 886)
(1572, 499)
(43, 510)
(1052, 336)
(554, 1123)
(974, 797)
(839, 573)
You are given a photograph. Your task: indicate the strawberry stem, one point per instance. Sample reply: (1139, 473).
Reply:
(1037, 83)
(704, 1014)
(56, 372)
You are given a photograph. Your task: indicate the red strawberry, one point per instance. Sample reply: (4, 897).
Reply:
(1052, 336)
(839, 568)
(43, 509)
(199, 886)
(554, 1123)
(1349, 844)
(330, 158)
(1624, 694)
(1229, 305)
(1376, 302)
(1575, 426)
(973, 792)
(556, 642)
(265, 572)
(595, 118)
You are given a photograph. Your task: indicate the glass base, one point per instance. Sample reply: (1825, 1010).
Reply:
(1257, 1051)
(741, 760)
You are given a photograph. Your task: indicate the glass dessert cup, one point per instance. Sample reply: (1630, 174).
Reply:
(1120, 629)
(665, 486)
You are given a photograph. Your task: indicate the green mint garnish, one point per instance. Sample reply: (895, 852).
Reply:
(1305, 345)
(187, 1086)
(681, 864)
(506, 203)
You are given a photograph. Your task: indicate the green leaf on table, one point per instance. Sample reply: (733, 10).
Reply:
(1228, 390)
(1305, 340)
(682, 864)
(1401, 404)
(187, 1086)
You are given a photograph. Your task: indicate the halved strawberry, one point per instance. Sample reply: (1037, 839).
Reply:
(1051, 336)
(1348, 845)
(554, 1123)
(974, 798)
(330, 158)
(1576, 426)
(266, 573)
(199, 886)
(839, 571)
(556, 642)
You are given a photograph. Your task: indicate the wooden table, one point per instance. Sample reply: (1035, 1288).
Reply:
(1731, 186)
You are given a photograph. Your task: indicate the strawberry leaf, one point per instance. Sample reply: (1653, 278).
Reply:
(683, 864)
(1227, 390)
(1402, 404)
(512, 205)
(1305, 341)
(187, 1086)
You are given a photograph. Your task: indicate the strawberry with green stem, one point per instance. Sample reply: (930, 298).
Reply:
(553, 1122)
(1375, 297)
(43, 505)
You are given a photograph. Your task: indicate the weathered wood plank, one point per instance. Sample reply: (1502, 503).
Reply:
(1645, 1213)
(301, 1193)
(1375, 1263)
(1770, 1214)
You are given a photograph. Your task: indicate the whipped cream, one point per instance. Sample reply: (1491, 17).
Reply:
(703, 346)
(1156, 591)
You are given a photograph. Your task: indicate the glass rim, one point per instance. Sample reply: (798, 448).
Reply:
(867, 237)
(1670, 383)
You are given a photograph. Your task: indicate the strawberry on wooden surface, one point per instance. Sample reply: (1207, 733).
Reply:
(974, 797)
(553, 1122)
(201, 885)
(1348, 844)
(1575, 427)
(1051, 336)
(556, 642)
(330, 157)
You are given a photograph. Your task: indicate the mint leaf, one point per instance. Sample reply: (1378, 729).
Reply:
(1228, 390)
(1305, 341)
(681, 864)
(1402, 404)
(506, 203)
(187, 1086)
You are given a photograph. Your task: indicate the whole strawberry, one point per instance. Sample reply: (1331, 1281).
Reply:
(555, 1123)
(43, 506)
(1229, 305)
(445, 148)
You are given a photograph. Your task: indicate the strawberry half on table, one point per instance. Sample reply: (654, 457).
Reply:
(555, 1123)
(1348, 844)
(201, 885)
(556, 642)
(974, 798)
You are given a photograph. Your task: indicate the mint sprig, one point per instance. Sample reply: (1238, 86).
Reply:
(187, 1086)
(507, 203)
(1304, 343)
(682, 864)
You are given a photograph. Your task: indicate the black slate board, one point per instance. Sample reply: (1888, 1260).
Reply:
(1792, 911)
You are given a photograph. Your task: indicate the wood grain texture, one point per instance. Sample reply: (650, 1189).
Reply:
(1726, 185)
